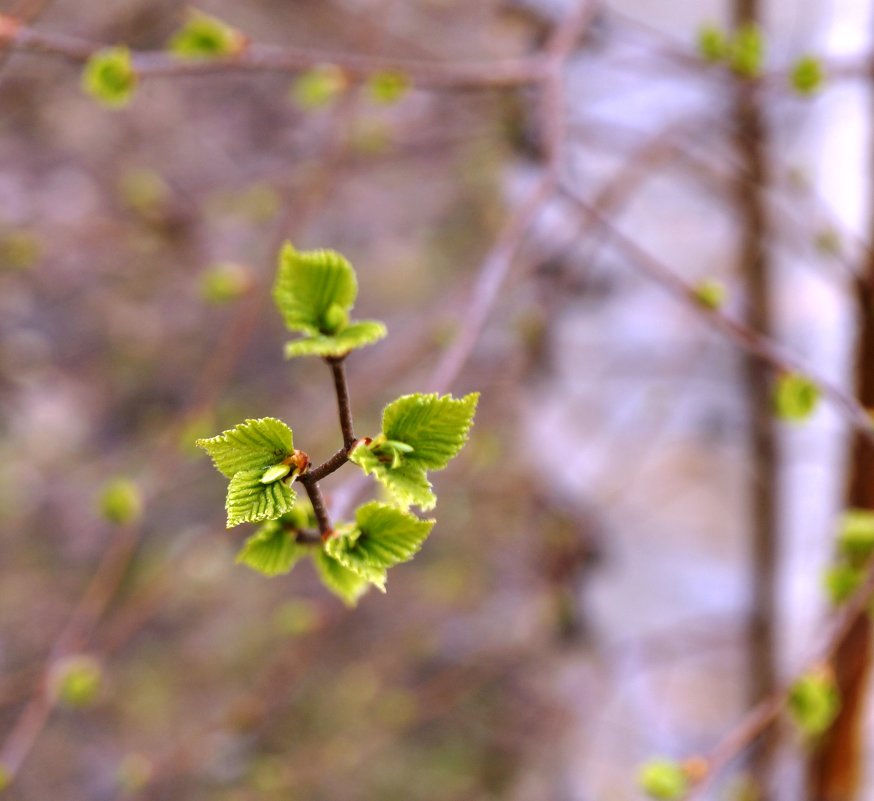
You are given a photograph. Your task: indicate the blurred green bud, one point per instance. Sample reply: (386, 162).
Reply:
(828, 242)
(297, 617)
(388, 87)
(663, 779)
(796, 397)
(856, 534)
(109, 76)
(814, 701)
(19, 250)
(747, 52)
(841, 581)
(144, 191)
(5, 778)
(205, 36)
(76, 681)
(120, 502)
(134, 772)
(318, 87)
(807, 76)
(710, 293)
(225, 282)
(712, 43)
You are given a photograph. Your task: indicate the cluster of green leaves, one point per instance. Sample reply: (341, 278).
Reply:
(814, 702)
(855, 548)
(315, 292)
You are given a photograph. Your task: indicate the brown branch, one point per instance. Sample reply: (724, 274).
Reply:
(319, 508)
(270, 58)
(766, 350)
(344, 407)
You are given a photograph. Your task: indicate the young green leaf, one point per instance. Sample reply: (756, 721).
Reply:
(795, 397)
(355, 336)
(407, 483)
(663, 779)
(814, 702)
(315, 290)
(121, 502)
(250, 500)
(381, 537)
(856, 534)
(341, 581)
(747, 51)
(272, 550)
(807, 76)
(205, 36)
(252, 445)
(109, 76)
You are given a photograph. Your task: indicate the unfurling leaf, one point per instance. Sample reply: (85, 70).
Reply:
(814, 702)
(315, 290)
(381, 537)
(205, 36)
(109, 76)
(663, 779)
(796, 397)
(272, 550)
(807, 76)
(419, 433)
(341, 581)
(252, 445)
(250, 500)
(121, 502)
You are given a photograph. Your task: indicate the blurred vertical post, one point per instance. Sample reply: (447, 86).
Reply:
(751, 136)
(834, 766)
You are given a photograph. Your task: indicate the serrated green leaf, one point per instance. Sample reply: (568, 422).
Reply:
(856, 534)
(272, 550)
(435, 427)
(341, 581)
(205, 36)
(109, 76)
(251, 501)
(252, 445)
(796, 397)
(663, 779)
(407, 483)
(381, 537)
(356, 335)
(814, 702)
(807, 76)
(311, 283)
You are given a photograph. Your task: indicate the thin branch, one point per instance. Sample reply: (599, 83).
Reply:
(321, 512)
(270, 58)
(753, 342)
(344, 407)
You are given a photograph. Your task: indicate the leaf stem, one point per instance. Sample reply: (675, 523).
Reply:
(344, 407)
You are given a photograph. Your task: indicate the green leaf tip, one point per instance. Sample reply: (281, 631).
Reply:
(814, 702)
(272, 550)
(807, 76)
(663, 779)
(796, 397)
(120, 502)
(315, 290)
(419, 433)
(342, 582)
(206, 36)
(109, 76)
(381, 537)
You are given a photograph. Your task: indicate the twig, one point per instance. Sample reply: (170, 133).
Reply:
(270, 58)
(344, 407)
(321, 512)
